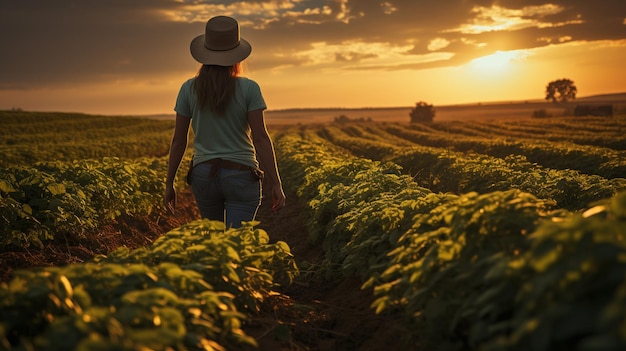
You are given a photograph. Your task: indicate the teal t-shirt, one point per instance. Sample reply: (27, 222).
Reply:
(227, 136)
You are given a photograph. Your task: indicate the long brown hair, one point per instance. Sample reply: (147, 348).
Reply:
(215, 86)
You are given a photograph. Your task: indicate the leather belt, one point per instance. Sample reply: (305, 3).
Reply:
(219, 163)
(222, 163)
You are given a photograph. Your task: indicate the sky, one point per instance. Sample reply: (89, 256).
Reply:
(131, 56)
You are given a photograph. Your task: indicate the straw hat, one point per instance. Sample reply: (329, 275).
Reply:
(221, 44)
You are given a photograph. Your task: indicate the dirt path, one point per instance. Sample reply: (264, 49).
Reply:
(317, 315)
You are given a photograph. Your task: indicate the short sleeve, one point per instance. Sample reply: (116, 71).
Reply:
(183, 101)
(254, 98)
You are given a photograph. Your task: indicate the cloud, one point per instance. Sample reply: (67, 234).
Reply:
(368, 55)
(245, 11)
(497, 18)
(438, 44)
(388, 8)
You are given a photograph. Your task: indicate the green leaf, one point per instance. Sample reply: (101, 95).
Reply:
(56, 189)
(27, 209)
(6, 187)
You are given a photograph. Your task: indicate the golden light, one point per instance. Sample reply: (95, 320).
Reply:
(496, 63)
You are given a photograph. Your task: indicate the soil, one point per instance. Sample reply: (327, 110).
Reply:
(310, 314)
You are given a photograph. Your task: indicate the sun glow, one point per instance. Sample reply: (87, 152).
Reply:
(497, 63)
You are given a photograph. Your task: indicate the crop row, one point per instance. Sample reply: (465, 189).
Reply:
(333, 184)
(27, 138)
(475, 274)
(38, 201)
(601, 161)
(449, 171)
(592, 131)
(192, 289)
(29, 126)
(443, 261)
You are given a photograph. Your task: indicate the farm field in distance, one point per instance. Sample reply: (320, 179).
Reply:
(507, 110)
(468, 233)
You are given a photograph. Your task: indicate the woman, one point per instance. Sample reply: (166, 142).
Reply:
(232, 148)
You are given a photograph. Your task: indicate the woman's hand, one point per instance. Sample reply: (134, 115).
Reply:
(266, 157)
(170, 198)
(278, 198)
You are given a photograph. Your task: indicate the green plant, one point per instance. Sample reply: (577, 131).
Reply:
(191, 290)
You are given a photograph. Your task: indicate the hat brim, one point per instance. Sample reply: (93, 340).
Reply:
(220, 58)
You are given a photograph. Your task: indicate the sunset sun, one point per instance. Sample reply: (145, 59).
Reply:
(496, 63)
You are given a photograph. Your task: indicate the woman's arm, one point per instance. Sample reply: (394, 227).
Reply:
(177, 151)
(266, 156)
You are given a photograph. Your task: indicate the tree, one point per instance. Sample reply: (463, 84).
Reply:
(422, 112)
(561, 90)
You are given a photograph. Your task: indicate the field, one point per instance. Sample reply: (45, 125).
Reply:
(509, 110)
(477, 233)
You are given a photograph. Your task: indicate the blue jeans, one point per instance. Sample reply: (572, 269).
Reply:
(230, 196)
